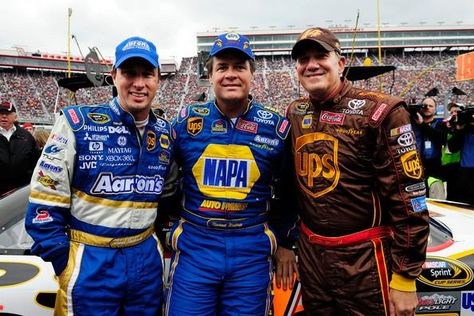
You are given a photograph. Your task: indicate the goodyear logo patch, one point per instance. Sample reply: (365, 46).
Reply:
(226, 171)
(411, 164)
(194, 125)
(99, 118)
(150, 141)
(318, 172)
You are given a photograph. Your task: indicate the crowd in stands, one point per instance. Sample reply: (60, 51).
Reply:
(35, 93)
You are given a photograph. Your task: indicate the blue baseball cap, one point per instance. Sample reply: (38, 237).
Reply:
(136, 47)
(234, 41)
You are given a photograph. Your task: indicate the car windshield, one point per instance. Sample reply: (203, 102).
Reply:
(440, 236)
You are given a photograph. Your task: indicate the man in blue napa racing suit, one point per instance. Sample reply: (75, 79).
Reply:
(228, 150)
(95, 192)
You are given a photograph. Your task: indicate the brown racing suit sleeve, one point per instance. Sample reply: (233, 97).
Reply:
(402, 192)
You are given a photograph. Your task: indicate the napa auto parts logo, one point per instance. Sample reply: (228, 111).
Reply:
(442, 272)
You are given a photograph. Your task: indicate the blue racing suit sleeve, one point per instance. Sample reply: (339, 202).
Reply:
(48, 210)
(284, 213)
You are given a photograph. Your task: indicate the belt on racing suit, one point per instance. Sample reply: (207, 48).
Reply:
(224, 223)
(109, 242)
(347, 240)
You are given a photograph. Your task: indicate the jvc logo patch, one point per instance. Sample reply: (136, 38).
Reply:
(226, 173)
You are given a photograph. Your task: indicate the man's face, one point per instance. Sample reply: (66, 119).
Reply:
(429, 109)
(137, 82)
(319, 71)
(453, 110)
(231, 77)
(7, 119)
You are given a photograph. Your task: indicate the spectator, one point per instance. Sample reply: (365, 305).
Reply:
(29, 127)
(430, 136)
(41, 137)
(463, 141)
(450, 160)
(18, 154)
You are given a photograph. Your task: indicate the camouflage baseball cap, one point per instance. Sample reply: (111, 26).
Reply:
(324, 37)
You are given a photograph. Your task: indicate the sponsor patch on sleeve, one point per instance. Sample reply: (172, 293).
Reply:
(418, 204)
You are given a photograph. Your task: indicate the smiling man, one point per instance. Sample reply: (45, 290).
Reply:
(228, 149)
(95, 192)
(361, 192)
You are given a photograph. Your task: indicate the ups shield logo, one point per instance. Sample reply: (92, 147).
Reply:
(317, 170)
(194, 125)
(150, 141)
(411, 164)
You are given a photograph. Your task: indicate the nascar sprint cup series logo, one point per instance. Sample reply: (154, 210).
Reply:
(318, 172)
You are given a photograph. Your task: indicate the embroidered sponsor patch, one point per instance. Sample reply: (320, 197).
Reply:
(99, 118)
(46, 180)
(50, 167)
(73, 115)
(418, 204)
(400, 130)
(411, 164)
(42, 216)
(332, 118)
(406, 139)
(194, 125)
(246, 126)
(307, 121)
(378, 112)
(201, 111)
(219, 127)
(150, 140)
(164, 141)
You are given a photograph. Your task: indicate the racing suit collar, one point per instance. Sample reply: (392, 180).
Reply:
(249, 105)
(125, 116)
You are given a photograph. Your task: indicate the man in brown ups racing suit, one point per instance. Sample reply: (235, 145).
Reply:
(360, 186)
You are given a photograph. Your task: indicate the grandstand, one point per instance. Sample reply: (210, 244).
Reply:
(29, 80)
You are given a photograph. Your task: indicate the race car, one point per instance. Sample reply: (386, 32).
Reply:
(445, 286)
(28, 284)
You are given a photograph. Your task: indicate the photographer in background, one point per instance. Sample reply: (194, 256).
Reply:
(450, 160)
(430, 137)
(463, 141)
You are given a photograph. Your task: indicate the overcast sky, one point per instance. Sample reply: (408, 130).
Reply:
(172, 24)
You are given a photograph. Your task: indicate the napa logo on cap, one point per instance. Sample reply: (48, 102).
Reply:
(226, 171)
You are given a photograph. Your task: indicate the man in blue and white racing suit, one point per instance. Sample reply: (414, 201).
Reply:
(228, 150)
(95, 192)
